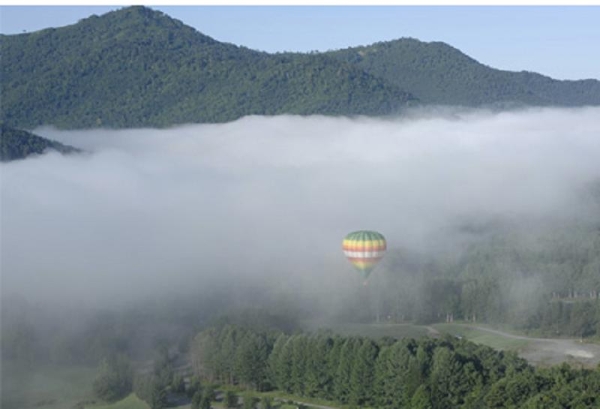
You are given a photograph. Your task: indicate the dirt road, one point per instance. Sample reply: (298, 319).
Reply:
(312, 405)
(552, 351)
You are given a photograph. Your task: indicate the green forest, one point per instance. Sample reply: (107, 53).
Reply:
(136, 67)
(426, 373)
(19, 144)
(437, 73)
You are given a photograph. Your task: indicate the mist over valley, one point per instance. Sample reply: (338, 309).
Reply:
(266, 201)
(172, 210)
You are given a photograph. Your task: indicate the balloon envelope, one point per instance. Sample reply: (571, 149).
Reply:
(364, 249)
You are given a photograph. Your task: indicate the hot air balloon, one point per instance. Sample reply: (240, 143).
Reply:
(364, 249)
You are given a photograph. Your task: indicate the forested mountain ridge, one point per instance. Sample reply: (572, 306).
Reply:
(437, 73)
(18, 144)
(137, 67)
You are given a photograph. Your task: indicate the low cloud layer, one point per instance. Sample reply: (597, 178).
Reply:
(269, 199)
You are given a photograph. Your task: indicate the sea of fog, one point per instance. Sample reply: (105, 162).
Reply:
(269, 199)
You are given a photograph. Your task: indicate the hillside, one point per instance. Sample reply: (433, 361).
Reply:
(138, 67)
(18, 144)
(437, 73)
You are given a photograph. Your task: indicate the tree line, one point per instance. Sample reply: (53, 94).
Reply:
(408, 373)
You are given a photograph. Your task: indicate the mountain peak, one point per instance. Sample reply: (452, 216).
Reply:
(135, 22)
(141, 12)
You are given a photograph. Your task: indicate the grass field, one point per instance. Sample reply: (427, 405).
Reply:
(48, 387)
(280, 402)
(130, 402)
(482, 337)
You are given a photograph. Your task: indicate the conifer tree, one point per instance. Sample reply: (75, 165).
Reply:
(205, 355)
(227, 353)
(274, 363)
(421, 399)
(318, 380)
(299, 360)
(284, 366)
(333, 362)
(362, 376)
(344, 371)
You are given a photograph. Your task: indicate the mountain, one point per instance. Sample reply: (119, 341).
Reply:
(18, 144)
(437, 73)
(137, 67)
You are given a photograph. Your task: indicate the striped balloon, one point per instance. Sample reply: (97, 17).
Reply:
(364, 249)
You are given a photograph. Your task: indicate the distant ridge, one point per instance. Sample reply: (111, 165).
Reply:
(440, 74)
(137, 67)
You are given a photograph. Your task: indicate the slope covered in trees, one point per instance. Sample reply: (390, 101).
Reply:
(437, 73)
(136, 67)
(18, 144)
(426, 373)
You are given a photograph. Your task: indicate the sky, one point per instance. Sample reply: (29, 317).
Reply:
(269, 199)
(557, 41)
